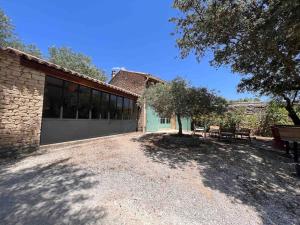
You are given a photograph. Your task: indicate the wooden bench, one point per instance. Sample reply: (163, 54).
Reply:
(227, 133)
(243, 132)
(214, 131)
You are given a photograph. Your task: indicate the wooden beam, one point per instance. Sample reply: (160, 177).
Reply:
(73, 78)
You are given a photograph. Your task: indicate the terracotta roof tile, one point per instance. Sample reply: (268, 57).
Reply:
(53, 65)
(147, 75)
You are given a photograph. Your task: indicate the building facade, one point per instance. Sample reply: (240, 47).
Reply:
(43, 103)
(148, 119)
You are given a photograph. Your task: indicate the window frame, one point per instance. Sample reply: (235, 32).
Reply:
(118, 112)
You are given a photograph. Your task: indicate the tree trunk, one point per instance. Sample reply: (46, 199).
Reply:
(292, 114)
(179, 125)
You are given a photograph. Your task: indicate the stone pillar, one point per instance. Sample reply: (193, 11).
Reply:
(21, 103)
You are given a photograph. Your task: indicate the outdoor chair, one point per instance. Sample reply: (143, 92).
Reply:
(214, 131)
(243, 132)
(199, 129)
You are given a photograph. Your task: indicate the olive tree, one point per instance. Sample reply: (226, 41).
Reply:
(9, 39)
(179, 99)
(168, 99)
(78, 62)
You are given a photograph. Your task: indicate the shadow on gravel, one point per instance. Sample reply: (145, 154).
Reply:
(46, 194)
(250, 175)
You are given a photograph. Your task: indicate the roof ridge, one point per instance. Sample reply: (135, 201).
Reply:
(142, 73)
(56, 66)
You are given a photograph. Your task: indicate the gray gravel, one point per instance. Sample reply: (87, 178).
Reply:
(154, 179)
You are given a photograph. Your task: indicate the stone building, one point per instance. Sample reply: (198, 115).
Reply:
(43, 103)
(148, 119)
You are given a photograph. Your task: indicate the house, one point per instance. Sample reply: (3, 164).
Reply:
(43, 103)
(148, 119)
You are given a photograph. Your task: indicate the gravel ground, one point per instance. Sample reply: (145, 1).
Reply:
(152, 179)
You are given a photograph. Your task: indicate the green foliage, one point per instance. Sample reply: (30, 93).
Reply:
(275, 115)
(78, 62)
(61, 56)
(201, 101)
(30, 49)
(259, 39)
(168, 99)
(159, 97)
(9, 39)
(233, 119)
(177, 98)
(259, 123)
(6, 29)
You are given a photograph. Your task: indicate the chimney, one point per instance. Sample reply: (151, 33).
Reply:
(114, 72)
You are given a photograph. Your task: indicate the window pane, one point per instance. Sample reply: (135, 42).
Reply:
(104, 105)
(162, 120)
(70, 100)
(52, 97)
(113, 106)
(167, 120)
(84, 102)
(126, 109)
(96, 104)
(134, 109)
(119, 107)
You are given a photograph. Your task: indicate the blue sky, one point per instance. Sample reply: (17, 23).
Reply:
(132, 34)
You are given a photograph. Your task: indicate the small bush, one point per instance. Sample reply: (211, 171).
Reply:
(259, 123)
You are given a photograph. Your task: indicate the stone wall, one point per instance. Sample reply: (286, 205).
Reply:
(130, 81)
(21, 102)
(133, 82)
(250, 108)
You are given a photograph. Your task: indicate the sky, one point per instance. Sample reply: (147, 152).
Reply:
(132, 34)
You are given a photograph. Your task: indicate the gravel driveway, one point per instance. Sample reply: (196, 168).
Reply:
(152, 179)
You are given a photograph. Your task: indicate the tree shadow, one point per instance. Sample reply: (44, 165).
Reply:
(247, 174)
(47, 194)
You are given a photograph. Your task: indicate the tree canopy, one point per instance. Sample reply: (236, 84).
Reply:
(9, 38)
(78, 62)
(179, 99)
(259, 39)
(63, 56)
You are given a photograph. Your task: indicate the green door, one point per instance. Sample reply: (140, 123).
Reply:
(154, 122)
(186, 124)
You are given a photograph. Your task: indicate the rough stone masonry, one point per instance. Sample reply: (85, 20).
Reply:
(21, 102)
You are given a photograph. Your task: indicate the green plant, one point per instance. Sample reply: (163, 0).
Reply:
(258, 39)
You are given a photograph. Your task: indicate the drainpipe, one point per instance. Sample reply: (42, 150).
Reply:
(145, 112)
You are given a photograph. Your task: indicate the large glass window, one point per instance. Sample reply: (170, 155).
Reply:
(126, 109)
(134, 110)
(70, 100)
(164, 120)
(113, 106)
(84, 102)
(119, 107)
(96, 104)
(104, 105)
(64, 99)
(52, 97)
